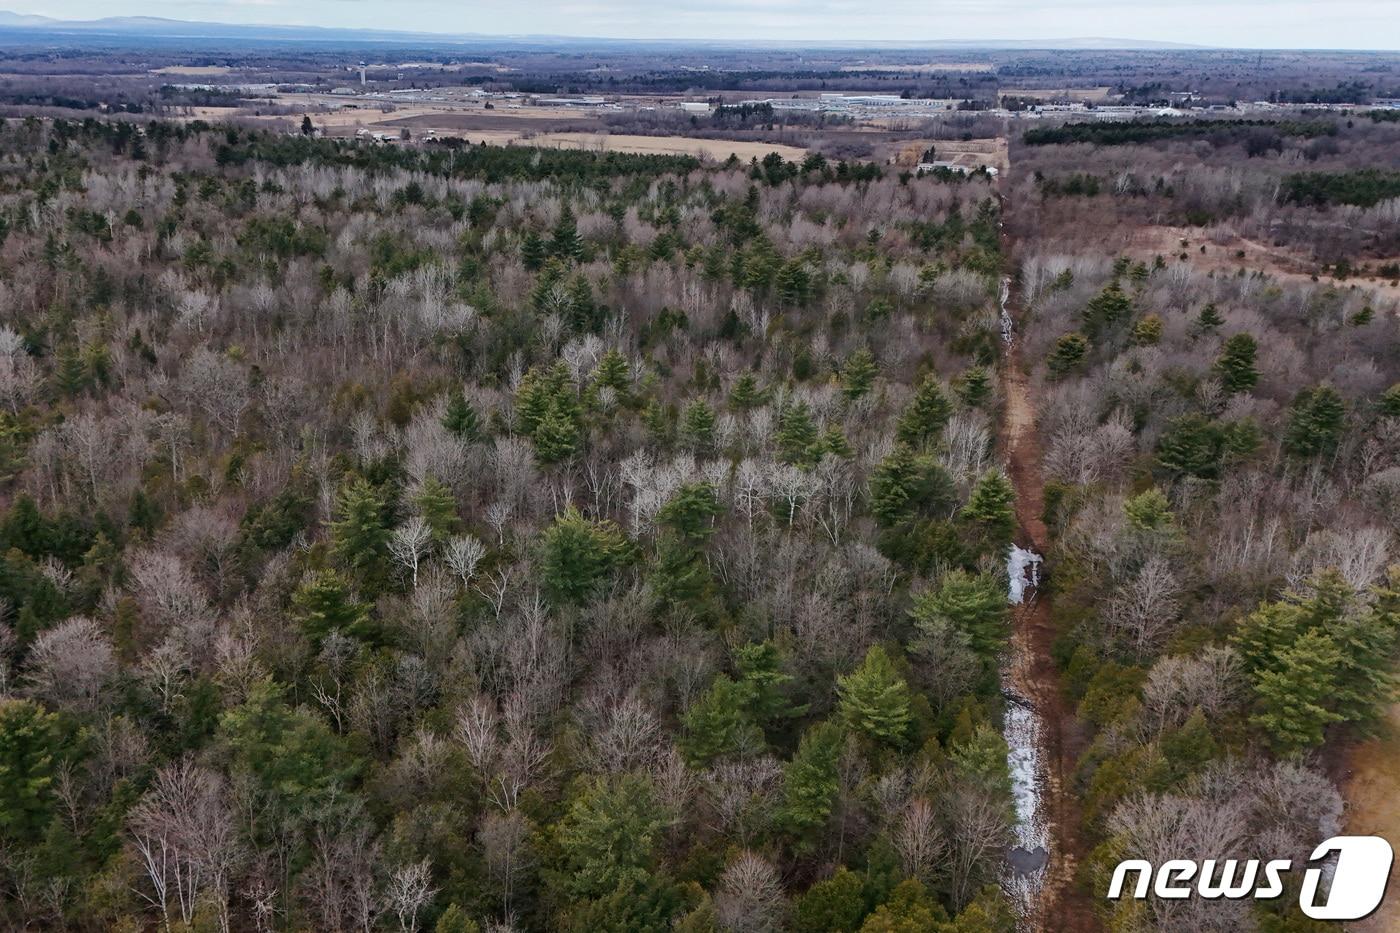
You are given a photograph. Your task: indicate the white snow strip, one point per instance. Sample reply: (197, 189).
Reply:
(1002, 299)
(1022, 570)
(1024, 734)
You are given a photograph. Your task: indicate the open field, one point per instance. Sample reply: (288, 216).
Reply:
(717, 149)
(204, 71)
(1234, 254)
(559, 127)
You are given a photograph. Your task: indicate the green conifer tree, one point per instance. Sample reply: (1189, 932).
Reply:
(922, 423)
(991, 507)
(875, 701)
(858, 373)
(1235, 365)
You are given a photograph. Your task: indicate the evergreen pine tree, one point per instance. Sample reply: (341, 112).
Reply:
(973, 604)
(1149, 510)
(991, 507)
(974, 386)
(532, 251)
(810, 783)
(797, 436)
(834, 442)
(614, 372)
(1107, 309)
(33, 746)
(1068, 355)
(1292, 698)
(608, 836)
(922, 423)
(1315, 423)
(461, 419)
(830, 906)
(858, 374)
(565, 243)
(875, 701)
(324, 603)
(360, 533)
(434, 501)
(1209, 320)
(576, 554)
(760, 669)
(585, 315)
(1192, 445)
(455, 920)
(1236, 364)
(1147, 332)
(718, 724)
(698, 428)
(745, 394)
(660, 423)
(1389, 404)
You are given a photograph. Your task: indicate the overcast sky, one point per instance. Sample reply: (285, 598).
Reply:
(1368, 24)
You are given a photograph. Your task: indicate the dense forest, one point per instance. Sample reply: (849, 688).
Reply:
(461, 539)
(1223, 460)
(1133, 132)
(449, 537)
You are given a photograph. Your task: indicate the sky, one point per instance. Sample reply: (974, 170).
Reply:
(1353, 24)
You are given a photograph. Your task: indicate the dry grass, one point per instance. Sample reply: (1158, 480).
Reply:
(193, 70)
(1223, 255)
(213, 114)
(1372, 790)
(717, 149)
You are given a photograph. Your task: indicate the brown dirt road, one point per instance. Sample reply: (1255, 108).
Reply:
(1064, 906)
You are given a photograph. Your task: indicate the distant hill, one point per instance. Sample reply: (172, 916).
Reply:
(18, 26)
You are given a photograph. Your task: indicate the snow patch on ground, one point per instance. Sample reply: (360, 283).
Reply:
(1023, 572)
(1024, 734)
(1007, 331)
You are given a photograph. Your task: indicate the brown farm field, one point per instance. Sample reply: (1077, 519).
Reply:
(558, 127)
(194, 70)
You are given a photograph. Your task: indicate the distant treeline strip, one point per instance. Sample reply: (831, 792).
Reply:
(454, 157)
(1133, 132)
(1363, 188)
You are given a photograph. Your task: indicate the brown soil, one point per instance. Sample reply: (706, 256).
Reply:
(1063, 906)
(1370, 782)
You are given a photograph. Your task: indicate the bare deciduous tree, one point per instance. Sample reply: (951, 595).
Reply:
(750, 898)
(410, 543)
(71, 663)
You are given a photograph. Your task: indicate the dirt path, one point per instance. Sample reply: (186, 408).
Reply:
(1062, 904)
